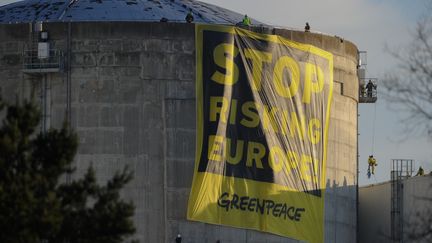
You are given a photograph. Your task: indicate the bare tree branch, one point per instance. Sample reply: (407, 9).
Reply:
(408, 88)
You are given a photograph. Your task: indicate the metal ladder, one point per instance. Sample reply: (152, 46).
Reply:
(401, 169)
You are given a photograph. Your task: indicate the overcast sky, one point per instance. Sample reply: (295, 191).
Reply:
(370, 24)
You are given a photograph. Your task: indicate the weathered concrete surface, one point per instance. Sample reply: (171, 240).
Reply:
(374, 213)
(133, 103)
(375, 210)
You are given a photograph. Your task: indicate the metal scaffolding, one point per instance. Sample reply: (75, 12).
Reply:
(39, 56)
(367, 86)
(368, 90)
(401, 169)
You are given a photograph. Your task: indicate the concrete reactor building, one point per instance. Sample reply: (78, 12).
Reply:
(398, 210)
(122, 72)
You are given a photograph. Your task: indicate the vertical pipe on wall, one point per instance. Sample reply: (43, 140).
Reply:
(357, 176)
(68, 91)
(68, 77)
(46, 103)
(42, 104)
(165, 174)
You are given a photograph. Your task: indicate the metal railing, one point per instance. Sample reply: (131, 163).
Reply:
(368, 90)
(53, 63)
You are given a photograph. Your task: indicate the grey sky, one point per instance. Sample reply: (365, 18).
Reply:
(370, 24)
(3, 2)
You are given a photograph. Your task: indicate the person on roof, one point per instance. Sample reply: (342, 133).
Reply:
(246, 21)
(420, 172)
(371, 164)
(189, 17)
(307, 27)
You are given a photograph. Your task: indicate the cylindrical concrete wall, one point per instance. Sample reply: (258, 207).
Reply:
(133, 103)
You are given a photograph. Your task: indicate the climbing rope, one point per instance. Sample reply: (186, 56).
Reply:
(373, 130)
(376, 182)
(373, 142)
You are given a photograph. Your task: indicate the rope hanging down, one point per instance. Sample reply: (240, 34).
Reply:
(373, 130)
(372, 148)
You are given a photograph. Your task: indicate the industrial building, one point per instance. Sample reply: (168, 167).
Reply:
(398, 210)
(126, 83)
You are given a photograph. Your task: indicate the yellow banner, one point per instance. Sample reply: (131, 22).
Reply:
(263, 108)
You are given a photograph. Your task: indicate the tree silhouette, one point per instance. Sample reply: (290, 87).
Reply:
(408, 88)
(35, 206)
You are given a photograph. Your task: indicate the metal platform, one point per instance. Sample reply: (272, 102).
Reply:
(366, 99)
(34, 65)
(368, 95)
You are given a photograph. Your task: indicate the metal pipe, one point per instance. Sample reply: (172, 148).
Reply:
(357, 179)
(68, 77)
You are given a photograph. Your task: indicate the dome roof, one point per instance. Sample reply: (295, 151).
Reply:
(116, 10)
